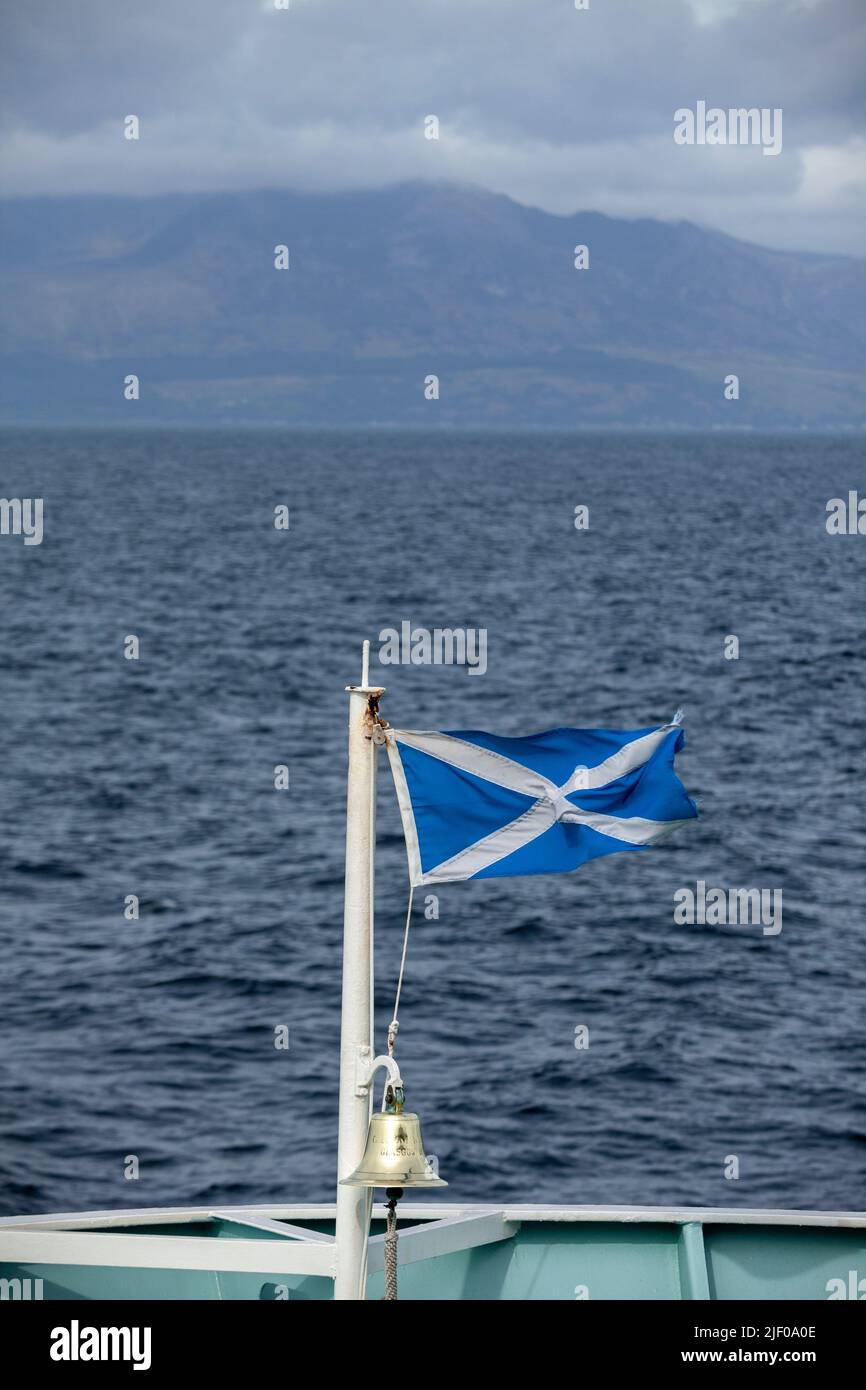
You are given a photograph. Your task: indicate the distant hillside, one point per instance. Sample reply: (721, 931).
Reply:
(387, 287)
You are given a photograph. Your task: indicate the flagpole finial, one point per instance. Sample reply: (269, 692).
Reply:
(365, 664)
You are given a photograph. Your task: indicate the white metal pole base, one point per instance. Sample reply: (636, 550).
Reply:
(356, 1030)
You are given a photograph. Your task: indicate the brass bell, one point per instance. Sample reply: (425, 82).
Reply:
(394, 1155)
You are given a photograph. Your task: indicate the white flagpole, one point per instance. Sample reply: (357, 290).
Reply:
(356, 1028)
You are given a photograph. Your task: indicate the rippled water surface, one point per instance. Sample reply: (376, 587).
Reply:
(155, 777)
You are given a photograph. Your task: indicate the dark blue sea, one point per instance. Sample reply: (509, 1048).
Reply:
(155, 777)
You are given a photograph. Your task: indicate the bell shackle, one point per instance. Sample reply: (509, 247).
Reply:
(393, 1084)
(366, 1072)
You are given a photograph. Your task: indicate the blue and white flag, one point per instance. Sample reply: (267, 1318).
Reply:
(476, 805)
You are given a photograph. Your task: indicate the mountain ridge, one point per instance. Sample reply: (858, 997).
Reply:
(388, 287)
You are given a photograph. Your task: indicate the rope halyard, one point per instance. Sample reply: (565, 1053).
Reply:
(393, 1194)
(394, 1025)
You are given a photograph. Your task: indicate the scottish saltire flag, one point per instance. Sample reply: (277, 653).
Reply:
(476, 805)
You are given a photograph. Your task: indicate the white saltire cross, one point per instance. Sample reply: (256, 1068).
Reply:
(550, 802)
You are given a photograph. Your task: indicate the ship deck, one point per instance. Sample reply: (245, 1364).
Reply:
(447, 1251)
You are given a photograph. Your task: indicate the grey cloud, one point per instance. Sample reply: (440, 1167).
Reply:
(563, 108)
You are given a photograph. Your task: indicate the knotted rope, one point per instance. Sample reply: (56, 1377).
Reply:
(393, 1194)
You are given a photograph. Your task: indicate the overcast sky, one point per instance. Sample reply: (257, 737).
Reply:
(564, 109)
